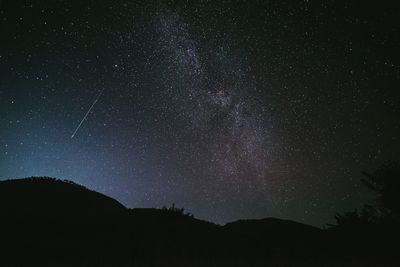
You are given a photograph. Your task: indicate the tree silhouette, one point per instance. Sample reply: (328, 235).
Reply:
(356, 219)
(385, 182)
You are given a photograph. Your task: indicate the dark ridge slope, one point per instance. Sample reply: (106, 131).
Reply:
(39, 199)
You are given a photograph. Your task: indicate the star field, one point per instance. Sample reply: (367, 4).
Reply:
(231, 109)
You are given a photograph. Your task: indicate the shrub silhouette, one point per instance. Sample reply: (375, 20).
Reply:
(178, 211)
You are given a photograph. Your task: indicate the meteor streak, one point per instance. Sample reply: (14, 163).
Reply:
(87, 113)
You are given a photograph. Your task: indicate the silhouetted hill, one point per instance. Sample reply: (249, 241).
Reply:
(47, 199)
(261, 227)
(271, 237)
(274, 230)
(45, 221)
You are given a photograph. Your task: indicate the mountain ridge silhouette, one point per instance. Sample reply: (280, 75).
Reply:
(48, 192)
(53, 222)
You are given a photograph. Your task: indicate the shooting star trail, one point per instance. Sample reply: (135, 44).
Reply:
(87, 113)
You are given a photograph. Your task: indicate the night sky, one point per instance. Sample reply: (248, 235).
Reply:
(230, 109)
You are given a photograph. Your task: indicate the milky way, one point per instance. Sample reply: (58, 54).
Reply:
(230, 109)
(208, 91)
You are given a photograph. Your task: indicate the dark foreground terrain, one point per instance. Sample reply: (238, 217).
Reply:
(48, 222)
